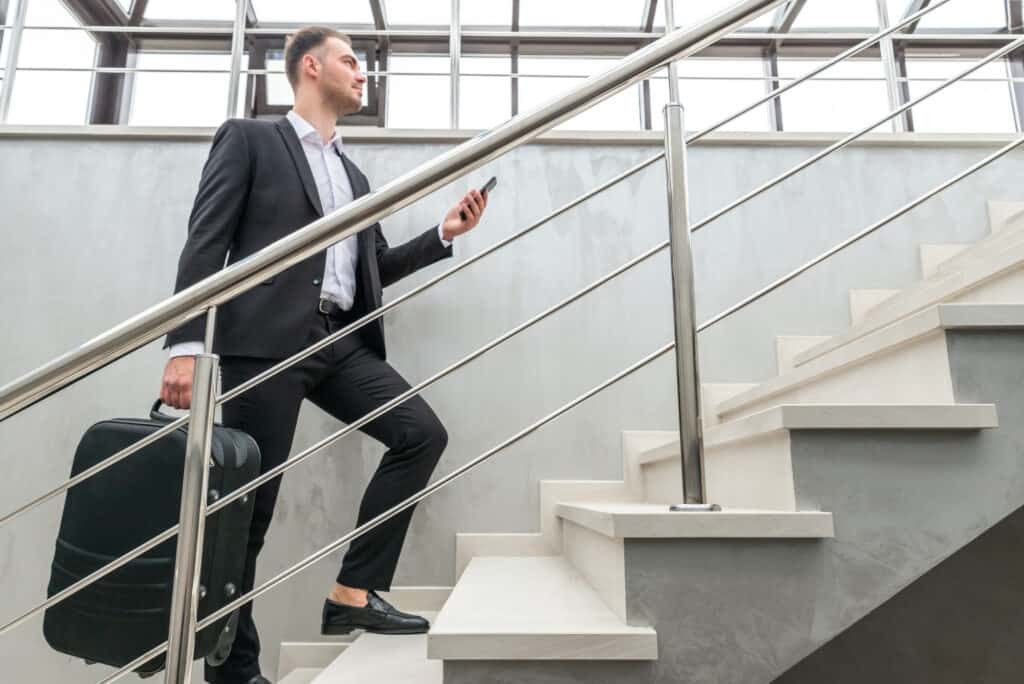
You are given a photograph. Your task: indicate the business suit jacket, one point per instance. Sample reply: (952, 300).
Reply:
(256, 188)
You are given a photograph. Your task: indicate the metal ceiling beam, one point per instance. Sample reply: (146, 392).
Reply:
(914, 7)
(787, 15)
(1015, 24)
(650, 13)
(513, 51)
(97, 13)
(138, 12)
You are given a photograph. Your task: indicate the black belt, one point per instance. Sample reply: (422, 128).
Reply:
(331, 309)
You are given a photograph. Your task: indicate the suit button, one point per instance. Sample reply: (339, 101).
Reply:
(316, 281)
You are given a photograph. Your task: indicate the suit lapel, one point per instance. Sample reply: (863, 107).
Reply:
(291, 141)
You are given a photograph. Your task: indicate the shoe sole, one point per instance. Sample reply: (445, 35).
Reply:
(341, 631)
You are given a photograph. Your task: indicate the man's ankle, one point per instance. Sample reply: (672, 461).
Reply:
(348, 596)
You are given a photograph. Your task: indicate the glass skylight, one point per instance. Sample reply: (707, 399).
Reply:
(834, 106)
(420, 12)
(967, 107)
(848, 14)
(333, 12)
(184, 10)
(689, 13)
(581, 13)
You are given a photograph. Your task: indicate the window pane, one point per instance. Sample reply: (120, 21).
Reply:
(965, 107)
(126, 5)
(689, 12)
(621, 112)
(180, 99)
(279, 90)
(710, 93)
(826, 106)
(313, 11)
(977, 14)
(818, 14)
(51, 97)
(196, 10)
(485, 101)
(421, 12)
(490, 13)
(419, 101)
(581, 13)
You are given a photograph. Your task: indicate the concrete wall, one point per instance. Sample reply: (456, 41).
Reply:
(91, 231)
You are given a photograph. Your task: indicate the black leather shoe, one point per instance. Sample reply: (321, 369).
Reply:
(377, 616)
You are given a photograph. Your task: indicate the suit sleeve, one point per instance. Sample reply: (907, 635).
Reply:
(397, 262)
(216, 213)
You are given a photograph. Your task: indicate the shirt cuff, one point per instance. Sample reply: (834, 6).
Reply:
(440, 234)
(186, 349)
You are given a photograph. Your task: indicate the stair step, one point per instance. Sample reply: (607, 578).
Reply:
(535, 608)
(979, 268)
(893, 343)
(384, 659)
(302, 675)
(852, 417)
(656, 521)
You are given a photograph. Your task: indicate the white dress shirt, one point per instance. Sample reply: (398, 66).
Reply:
(335, 191)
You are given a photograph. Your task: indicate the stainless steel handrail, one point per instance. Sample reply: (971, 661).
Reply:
(288, 363)
(222, 286)
(324, 552)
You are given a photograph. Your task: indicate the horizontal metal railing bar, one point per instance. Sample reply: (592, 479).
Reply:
(330, 439)
(288, 573)
(416, 389)
(90, 578)
(1003, 151)
(348, 220)
(99, 467)
(378, 313)
(288, 363)
(853, 137)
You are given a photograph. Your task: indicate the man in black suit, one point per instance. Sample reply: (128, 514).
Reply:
(262, 181)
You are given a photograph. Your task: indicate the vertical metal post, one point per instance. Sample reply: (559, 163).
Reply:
(900, 124)
(188, 560)
(10, 67)
(691, 433)
(237, 45)
(455, 47)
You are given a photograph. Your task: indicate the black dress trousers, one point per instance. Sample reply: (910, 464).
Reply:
(347, 380)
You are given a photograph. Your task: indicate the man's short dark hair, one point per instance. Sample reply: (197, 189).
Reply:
(301, 43)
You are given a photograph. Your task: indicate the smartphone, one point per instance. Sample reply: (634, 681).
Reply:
(488, 186)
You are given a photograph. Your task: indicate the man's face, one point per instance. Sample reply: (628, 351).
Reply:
(341, 81)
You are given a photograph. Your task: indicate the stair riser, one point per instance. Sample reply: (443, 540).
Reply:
(914, 373)
(600, 560)
(862, 302)
(754, 473)
(787, 347)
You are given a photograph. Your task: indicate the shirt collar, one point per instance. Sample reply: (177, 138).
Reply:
(305, 131)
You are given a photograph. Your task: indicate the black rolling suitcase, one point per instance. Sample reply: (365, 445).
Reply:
(126, 613)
